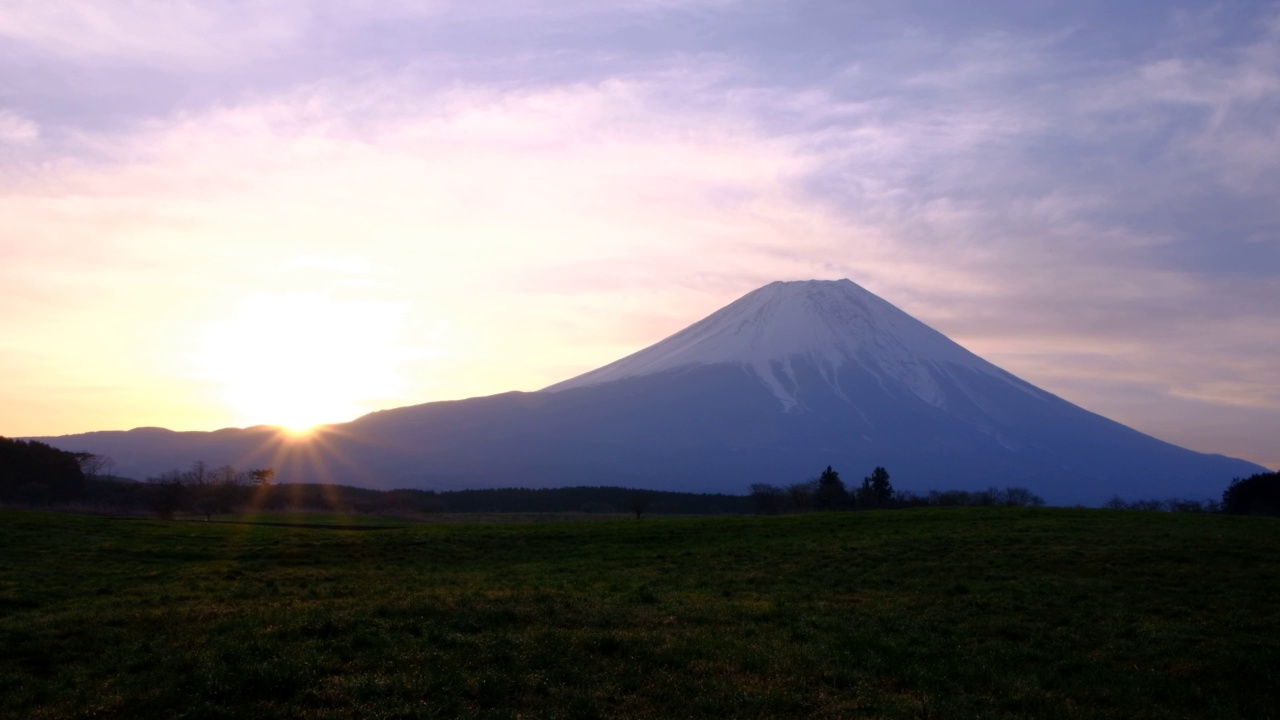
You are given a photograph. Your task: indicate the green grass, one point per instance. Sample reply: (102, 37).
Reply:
(346, 521)
(962, 613)
(327, 521)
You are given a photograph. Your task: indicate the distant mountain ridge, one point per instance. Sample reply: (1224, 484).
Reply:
(790, 378)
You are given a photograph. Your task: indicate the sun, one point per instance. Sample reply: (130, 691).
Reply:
(298, 360)
(298, 429)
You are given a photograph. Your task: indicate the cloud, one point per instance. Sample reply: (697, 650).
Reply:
(17, 130)
(183, 30)
(210, 35)
(1217, 109)
(495, 214)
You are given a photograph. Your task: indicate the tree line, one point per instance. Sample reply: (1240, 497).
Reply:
(206, 491)
(827, 492)
(202, 491)
(1258, 494)
(36, 474)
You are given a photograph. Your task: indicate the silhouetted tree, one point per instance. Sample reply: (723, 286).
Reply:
(876, 490)
(261, 480)
(829, 492)
(201, 493)
(1021, 497)
(1255, 495)
(228, 488)
(94, 467)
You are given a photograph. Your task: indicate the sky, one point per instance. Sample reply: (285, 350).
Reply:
(226, 213)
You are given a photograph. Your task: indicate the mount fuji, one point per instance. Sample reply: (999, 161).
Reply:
(786, 380)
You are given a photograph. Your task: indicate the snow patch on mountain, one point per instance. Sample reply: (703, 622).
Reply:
(826, 323)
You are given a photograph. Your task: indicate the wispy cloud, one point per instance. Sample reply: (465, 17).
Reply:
(466, 204)
(180, 31)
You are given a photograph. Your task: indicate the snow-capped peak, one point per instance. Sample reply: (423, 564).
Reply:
(825, 322)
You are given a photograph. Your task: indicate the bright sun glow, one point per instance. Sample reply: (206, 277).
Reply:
(302, 360)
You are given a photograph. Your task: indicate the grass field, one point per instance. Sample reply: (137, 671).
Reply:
(933, 613)
(339, 521)
(314, 520)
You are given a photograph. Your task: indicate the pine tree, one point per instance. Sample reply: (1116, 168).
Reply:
(876, 490)
(831, 493)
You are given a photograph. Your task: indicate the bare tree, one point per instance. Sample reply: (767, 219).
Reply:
(94, 467)
(801, 495)
(768, 499)
(1021, 497)
(229, 488)
(217, 490)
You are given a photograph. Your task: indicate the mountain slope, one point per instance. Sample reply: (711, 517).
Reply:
(826, 325)
(788, 379)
